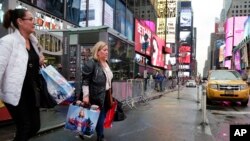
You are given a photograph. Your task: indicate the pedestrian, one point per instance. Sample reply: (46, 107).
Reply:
(59, 68)
(97, 77)
(19, 71)
(138, 76)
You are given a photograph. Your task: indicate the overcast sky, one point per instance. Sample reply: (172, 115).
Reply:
(205, 12)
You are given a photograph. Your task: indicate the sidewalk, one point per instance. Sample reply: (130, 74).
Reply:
(182, 120)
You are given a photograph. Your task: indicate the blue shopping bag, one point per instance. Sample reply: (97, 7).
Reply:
(58, 87)
(82, 120)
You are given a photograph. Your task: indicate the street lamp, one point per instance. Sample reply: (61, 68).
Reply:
(145, 46)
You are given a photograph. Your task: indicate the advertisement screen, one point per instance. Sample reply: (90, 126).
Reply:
(171, 8)
(157, 58)
(161, 27)
(54, 7)
(237, 60)
(95, 13)
(186, 17)
(120, 17)
(185, 37)
(140, 31)
(239, 29)
(170, 30)
(108, 16)
(184, 54)
(129, 25)
(234, 33)
(149, 24)
(73, 11)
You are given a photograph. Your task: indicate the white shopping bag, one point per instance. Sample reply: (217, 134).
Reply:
(57, 85)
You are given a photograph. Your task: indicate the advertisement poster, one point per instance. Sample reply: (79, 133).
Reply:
(157, 58)
(186, 17)
(95, 13)
(170, 30)
(140, 31)
(109, 16)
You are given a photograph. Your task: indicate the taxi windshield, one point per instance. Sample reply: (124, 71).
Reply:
(225, 75)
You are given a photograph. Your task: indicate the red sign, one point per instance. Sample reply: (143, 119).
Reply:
(140, 31)
(157, 58)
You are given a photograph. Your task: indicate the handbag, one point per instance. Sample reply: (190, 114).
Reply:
(119, 113)
(43, 98)
(82, 120)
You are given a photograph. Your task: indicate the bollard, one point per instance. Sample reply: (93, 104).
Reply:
(204, 105)
(198, 93)
(178, 91)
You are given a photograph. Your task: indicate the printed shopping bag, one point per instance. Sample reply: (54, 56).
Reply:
(110, 116)
(82, 120)
(57, 85)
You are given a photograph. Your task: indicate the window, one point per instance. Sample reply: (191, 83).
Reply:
(121, 58)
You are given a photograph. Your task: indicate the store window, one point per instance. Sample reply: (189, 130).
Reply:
(121, 58)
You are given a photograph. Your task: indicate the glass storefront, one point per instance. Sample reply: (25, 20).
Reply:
(121, 58)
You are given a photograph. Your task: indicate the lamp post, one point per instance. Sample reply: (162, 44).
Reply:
(145, 46)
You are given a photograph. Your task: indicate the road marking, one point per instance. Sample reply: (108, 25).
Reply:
(230, 112)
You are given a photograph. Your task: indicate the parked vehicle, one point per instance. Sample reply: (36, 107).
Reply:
(191, 83)
(226, 85)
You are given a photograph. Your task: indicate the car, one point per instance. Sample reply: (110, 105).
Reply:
(191, 83)
(226, 85)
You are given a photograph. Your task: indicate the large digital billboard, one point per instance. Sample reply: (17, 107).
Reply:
(157, 58)
(234, 33)
(94, 14)
(185, 37)
(184, 54)
(186, 17)
(140, 31)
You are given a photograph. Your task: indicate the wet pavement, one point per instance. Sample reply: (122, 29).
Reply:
(166, 118)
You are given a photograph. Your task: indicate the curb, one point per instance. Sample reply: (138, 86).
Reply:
(48, 129)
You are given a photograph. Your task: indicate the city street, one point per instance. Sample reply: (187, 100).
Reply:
(164, 119)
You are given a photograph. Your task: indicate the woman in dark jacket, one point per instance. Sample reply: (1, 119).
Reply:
(97, 77)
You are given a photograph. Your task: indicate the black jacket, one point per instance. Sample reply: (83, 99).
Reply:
(94, 77)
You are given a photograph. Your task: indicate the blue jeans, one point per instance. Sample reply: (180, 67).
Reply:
(100, 123)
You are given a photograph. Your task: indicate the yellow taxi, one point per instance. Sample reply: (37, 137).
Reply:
(226, 85)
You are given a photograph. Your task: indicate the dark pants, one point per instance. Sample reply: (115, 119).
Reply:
(26, 117)
(100, 123)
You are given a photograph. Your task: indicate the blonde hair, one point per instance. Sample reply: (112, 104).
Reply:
(97, 47)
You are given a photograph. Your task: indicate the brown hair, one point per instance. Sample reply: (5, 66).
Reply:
(11, 16)
(97, 47)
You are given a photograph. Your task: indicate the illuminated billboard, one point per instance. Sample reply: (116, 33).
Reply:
(170, 30)
(161, 27)
(234, 33)
(186, 17)
(185, 37)
(184, 54)
(157, 58)
(140, 31)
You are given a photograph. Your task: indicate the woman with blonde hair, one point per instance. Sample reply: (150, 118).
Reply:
(96, 84)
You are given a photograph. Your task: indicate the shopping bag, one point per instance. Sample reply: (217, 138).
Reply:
(43, 97)
(119, 112)
(57, 85)
(82, 120)
(110, 116)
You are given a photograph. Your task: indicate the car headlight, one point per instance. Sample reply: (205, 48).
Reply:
(243, 87)
(213, 86)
